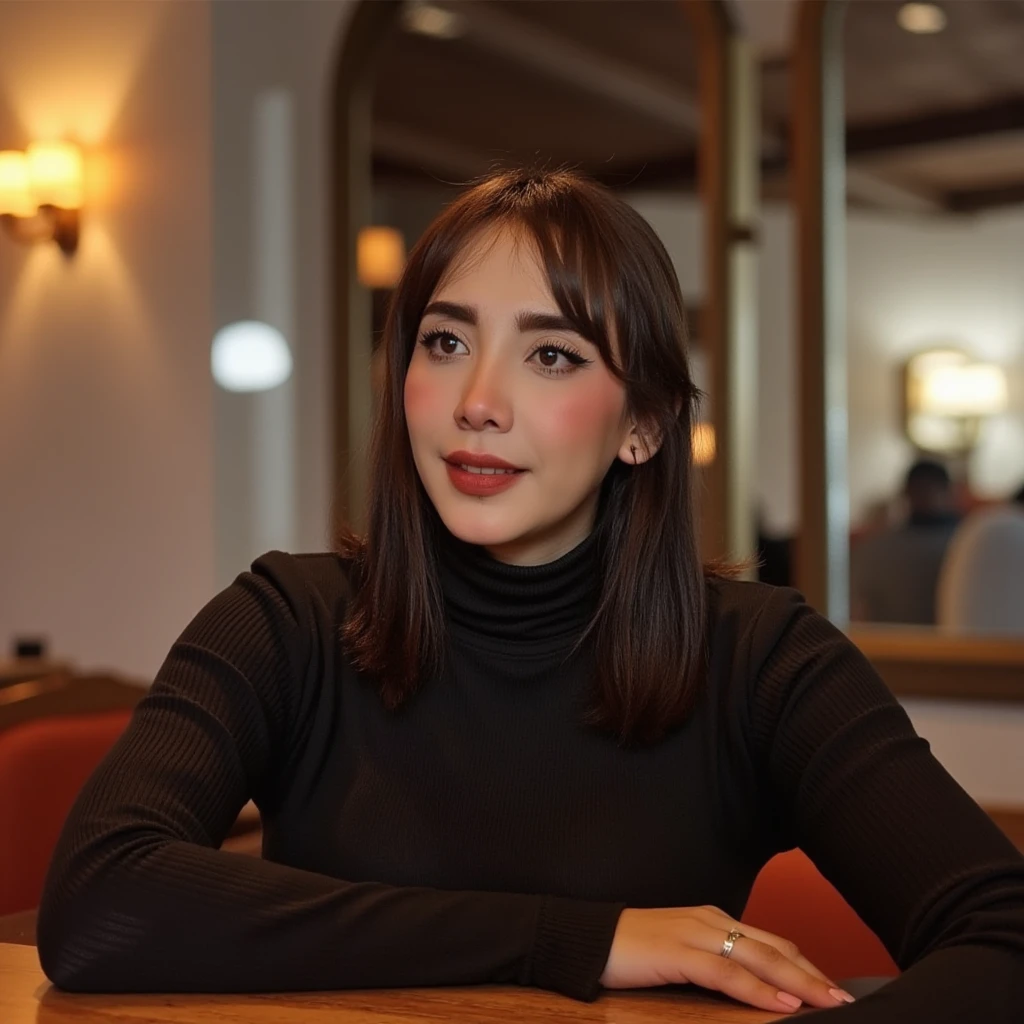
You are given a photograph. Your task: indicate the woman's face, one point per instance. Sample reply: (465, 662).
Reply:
(498, 371)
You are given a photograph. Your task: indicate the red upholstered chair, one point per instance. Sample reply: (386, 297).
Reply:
(791, 898)
(44, 763)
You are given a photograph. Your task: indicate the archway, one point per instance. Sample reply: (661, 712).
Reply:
(727, 185)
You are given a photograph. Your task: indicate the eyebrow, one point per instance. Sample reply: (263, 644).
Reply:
(527, 320)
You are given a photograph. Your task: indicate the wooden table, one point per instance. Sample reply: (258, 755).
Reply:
(26, 997)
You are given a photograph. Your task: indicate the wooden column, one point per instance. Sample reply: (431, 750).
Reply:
(729, 188)
(822, 549)
(353, 189)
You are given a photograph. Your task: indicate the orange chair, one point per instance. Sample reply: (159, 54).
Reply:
(43, 765)
(791, 898)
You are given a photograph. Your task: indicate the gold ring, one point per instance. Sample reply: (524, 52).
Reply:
(730, 941)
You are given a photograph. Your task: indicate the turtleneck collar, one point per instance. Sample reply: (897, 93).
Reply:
(491, 603)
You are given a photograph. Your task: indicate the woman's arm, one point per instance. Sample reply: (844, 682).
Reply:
(139, 898)
(914, 855)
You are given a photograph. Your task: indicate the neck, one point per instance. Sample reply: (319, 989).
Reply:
(496, 602)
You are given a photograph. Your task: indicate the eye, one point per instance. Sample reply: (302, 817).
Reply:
(438, 342)
(549, 358)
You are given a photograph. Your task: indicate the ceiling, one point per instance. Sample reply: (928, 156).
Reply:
(933, 122)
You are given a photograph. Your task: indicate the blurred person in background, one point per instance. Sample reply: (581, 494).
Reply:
(981, 586)
(519, 732)
(894, 574)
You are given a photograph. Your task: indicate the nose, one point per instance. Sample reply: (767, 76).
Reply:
(484, 402)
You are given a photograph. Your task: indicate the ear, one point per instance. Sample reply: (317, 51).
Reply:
(639, 446)
(645, 442)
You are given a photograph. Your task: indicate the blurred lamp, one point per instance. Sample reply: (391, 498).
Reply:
(15, 190)
(921, 19)
(41, 193)
(947, 396)
(702, 441)
(250, 356)
(380, 257)
(428, 19)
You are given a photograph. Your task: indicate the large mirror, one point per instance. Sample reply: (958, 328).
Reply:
(910, 224)
(934, 108)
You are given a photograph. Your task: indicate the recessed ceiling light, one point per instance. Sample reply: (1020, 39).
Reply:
(922, 19)
(427, 20)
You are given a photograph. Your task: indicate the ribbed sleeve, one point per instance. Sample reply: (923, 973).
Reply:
(573, 942)
(139, 898)
(914, 855)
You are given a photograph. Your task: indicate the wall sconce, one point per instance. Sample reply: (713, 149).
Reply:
(702, 441)
(41, 193)
(947, 396)
(380, 257)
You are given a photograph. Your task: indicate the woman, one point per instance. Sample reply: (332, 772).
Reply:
(519, 733)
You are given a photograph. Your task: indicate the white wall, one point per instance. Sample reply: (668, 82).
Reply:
(130, 488)
(980, 744)
(915, 284)
(106, 476)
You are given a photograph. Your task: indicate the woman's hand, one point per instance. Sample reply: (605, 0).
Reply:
(683, 945)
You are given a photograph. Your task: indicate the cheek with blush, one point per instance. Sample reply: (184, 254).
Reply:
(420, 396)
(581, 423)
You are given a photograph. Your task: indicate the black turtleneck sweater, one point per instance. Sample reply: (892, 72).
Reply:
(483, 833)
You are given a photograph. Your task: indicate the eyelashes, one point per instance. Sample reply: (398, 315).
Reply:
(576, 360)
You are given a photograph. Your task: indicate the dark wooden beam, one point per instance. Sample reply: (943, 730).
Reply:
(676, 172)
(972, 200)
(948, 126)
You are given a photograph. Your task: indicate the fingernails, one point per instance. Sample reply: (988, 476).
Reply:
(840, 995)
(787, 1000)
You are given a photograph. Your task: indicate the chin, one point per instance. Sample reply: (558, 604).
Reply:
(473, 527)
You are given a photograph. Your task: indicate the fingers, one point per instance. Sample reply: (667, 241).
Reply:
(731, 978)
(719, 919)
(785, 947)
(775, 968)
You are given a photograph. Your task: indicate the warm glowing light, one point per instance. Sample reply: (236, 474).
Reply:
(380, 257)
(978, 389)
(921, 19)
(15, 193)
(702, 440)
(428, 20)
(55, 173)
(948, 395)
(76, 82)
(250, 356)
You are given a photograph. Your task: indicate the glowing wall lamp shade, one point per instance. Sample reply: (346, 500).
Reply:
(948, 396)
(15, 186)
(978, 389)
(55, 171)
(921, 18)
(380, 257)
(250, 356)
(41, 193)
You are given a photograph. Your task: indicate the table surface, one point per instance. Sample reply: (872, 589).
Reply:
(26, 997)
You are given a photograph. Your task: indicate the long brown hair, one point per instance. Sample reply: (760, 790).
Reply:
(611, 276)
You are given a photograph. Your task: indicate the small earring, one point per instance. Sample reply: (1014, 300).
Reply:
(632, 448)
